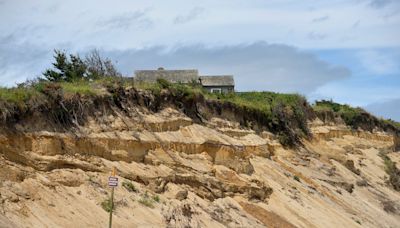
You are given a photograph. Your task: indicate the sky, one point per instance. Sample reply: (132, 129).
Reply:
(344, 50)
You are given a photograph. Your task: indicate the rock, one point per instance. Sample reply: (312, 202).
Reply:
(258, 193)
(10, 196)
(181, 195)
(362, 183)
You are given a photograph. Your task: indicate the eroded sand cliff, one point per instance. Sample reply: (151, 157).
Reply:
(216, 174)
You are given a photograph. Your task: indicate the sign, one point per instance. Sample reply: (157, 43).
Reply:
(113, 181)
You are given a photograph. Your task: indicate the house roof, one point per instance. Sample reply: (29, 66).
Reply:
(217, 80)
(175, 76)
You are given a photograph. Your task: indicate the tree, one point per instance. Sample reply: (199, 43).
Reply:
(60, 65)
(74, 68)
(66, 69)
(100, 67)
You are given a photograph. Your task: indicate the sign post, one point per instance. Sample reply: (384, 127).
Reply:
(112, 182)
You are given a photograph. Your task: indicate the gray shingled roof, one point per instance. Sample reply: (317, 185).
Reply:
(217, 80)
(175, 76)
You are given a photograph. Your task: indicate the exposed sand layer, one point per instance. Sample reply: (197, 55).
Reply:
(190, 175)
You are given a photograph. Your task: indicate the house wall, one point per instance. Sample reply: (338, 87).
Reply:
(224, 89)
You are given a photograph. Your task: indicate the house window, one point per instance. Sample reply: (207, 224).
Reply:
(216, 90)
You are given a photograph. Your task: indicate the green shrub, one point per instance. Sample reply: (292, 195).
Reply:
(107, 205)
(163, 83)
(354, 117)
(296, 178)
(392, 170)
(284, 114)
(129, 186)
(156, 198)
(149, 201)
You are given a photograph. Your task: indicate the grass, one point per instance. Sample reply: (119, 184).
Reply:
(80, 87)
(392, 170)
(107, 206)
(264, 101)
(285, 115)
(149, 201)
(17, 95)
(25, 93)
(345, 111)
(129, 186)
(354, 117)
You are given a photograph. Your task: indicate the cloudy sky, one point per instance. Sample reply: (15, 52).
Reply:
(345, 50)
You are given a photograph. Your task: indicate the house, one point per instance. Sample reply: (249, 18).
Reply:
(218, 83)
(213, 83)
(174, 76)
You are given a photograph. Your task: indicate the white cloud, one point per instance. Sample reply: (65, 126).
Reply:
(190, 16)
(136, 19)
(320, 19)
(225, 22)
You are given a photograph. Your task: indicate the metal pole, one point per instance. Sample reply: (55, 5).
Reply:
(112, 207)
(112, 200)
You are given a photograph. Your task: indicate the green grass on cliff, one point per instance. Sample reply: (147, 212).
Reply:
(264, 101)
(355, 117)
(287, 113)
(18, 95)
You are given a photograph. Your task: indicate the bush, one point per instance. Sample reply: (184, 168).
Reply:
(392, 170)
(163, 83)
(296, 178)
(156, 198)
(129, 186)
(107, 205)
(149, 201)
(354, 117)
(283, 114)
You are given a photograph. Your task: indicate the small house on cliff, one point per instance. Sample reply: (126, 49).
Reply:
(214, 83)
(218, 83)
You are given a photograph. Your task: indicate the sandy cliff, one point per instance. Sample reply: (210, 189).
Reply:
(185, 174)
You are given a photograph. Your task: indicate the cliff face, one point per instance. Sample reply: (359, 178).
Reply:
(191, 171)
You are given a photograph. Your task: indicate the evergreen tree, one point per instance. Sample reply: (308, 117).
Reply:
(66, 69)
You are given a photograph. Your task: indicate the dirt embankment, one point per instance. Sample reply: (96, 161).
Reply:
(187, 162)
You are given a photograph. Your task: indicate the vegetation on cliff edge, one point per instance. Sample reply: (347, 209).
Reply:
(285, 115)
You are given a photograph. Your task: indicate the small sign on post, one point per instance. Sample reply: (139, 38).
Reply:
(112, 182)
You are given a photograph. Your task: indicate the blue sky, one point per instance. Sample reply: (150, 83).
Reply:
(345, 50)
